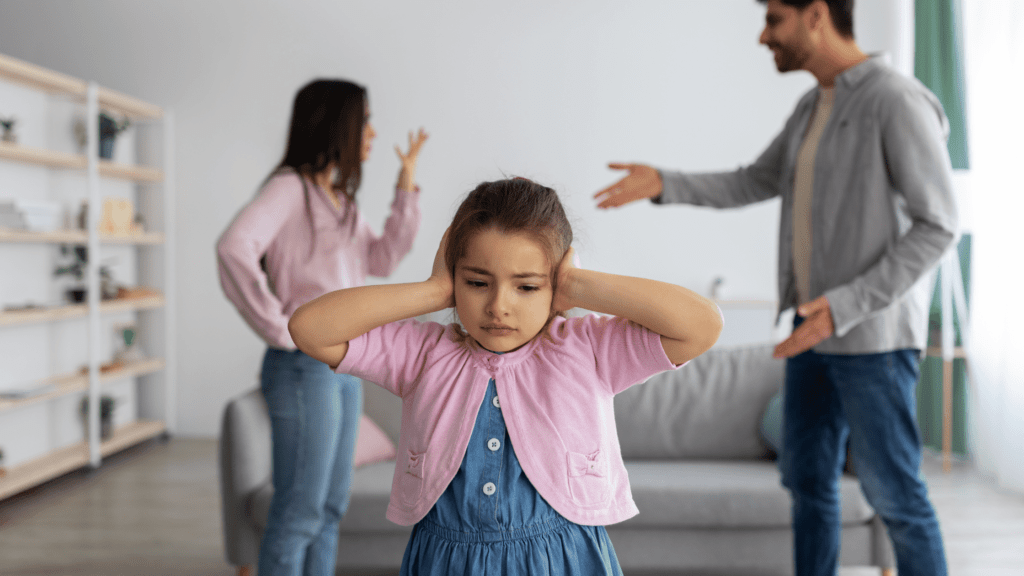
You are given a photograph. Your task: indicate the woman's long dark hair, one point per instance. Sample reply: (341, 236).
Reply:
(327, 129)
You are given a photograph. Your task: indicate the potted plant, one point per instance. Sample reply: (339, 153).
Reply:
(110, 127)
(76, 269)
(107, 405)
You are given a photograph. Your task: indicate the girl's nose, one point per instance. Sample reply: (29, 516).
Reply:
(498, 305)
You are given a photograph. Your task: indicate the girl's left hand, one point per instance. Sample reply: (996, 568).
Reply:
(565, 297)
(407, 177)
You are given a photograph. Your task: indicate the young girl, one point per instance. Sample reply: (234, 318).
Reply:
(509, 461)
(303, 236)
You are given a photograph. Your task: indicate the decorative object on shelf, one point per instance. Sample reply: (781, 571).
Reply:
(107, 406)
(76, 269)
(8, 130)
(110, 127)
(79, 258)
(126, 346)
(118, 218)
(82, 220)
(34, 216)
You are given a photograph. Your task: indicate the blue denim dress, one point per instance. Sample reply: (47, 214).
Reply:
(491, 520)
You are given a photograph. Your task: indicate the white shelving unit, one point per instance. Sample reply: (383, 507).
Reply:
(64, 349)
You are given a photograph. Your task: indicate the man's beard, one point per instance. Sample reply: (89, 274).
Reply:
(788, 59)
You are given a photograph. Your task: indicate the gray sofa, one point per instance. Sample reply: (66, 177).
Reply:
(710, 501)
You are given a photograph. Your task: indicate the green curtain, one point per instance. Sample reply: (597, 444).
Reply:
(929, 386)
(939, 64)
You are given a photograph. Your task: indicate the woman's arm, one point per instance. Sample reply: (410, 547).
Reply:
(323, 327)
(688, 323)
(386, 251)
(239, 250)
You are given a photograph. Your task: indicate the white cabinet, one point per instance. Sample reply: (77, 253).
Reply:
(55, 353)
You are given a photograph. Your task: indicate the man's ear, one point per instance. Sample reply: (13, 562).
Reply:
(818, 15)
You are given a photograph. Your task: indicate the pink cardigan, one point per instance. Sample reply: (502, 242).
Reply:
(556, 396)
(276, 223)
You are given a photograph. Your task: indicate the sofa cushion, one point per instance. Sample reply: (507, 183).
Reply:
(371, 488)
(710, 408)
(771, 424)
(722, 494)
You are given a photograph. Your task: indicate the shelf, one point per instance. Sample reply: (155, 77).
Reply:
(131, 434)
(39, 78)
(130, 172)
(63, 160)
(65, 460)
(128, 106)
(76, 237)
(41, 156)
(72, 383)
(21, 72)
(54, 313)
(70, 168)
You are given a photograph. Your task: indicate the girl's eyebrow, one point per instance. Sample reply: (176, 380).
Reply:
(484, 272)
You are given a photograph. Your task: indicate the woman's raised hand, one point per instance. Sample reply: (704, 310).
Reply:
(441, 275)
(566, 296)
(407, 177)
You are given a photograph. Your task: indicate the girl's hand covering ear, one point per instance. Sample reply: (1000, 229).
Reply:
(441, 276)
(565, 297)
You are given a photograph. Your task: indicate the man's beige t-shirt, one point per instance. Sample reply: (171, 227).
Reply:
(803, 193)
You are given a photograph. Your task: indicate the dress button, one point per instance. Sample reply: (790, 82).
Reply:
(493, 444)
(490, 488)
(495, 402)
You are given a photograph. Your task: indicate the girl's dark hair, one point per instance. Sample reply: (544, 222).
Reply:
(841, 12)
(327, 129)
(513, 205)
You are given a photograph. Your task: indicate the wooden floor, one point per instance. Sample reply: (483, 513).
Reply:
(155, 510)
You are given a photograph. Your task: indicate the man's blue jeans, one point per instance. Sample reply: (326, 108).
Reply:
(870, 399)
(314, 420)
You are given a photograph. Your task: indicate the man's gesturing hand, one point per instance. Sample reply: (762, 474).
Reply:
(816, 327)
(642, 182)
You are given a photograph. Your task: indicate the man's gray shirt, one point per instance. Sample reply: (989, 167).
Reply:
(883, 210)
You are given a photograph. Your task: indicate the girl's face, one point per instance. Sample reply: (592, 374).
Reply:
(503, 289)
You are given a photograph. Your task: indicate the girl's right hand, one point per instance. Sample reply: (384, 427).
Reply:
(441, 276)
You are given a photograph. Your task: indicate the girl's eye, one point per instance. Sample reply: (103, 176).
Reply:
(476, 283)
(529, 288)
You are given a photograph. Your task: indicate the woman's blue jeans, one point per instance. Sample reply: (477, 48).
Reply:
(314, 420)
(870, 399)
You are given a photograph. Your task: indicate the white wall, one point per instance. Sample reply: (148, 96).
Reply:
(548, 90)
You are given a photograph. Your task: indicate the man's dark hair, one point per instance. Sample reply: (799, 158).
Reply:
(841, 11)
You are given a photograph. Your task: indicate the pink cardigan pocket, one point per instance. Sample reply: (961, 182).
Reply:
(588, 479)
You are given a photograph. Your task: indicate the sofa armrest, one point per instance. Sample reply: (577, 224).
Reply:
(245, 465)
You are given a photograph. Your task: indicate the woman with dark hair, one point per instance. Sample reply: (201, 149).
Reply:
(303, 236)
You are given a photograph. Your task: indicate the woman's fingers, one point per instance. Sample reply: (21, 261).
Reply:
(415, 143)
